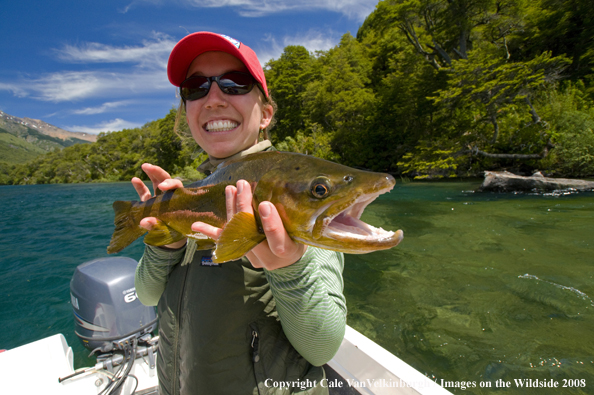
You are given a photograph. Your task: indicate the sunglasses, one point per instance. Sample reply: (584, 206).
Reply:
(231, 83)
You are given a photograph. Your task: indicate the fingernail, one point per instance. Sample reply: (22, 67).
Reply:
(239, 187)
(264, 210)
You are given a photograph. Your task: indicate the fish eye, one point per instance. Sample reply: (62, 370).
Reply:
(320, 188)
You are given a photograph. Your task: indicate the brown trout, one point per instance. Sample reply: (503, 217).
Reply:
(320, 203)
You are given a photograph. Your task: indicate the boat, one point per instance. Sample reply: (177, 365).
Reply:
(120, 332)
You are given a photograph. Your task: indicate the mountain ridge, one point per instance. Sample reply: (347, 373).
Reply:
(22, 139)
(46, 128)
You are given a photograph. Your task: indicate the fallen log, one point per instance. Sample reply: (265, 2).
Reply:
(504, 181)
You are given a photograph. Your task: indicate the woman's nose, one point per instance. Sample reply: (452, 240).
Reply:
(215, 97)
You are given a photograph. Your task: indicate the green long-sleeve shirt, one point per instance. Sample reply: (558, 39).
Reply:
(308, 295)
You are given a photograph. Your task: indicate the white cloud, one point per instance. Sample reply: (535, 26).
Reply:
(135, 2)
(77, 85)
(313, 40)
(102, 108)
(151, 54)
(354, 9)
(107, 126)
(16, 89)
(147, 75)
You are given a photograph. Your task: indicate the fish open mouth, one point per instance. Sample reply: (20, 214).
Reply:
(347, 226)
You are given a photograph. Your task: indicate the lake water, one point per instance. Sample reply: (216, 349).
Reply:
(484, 287)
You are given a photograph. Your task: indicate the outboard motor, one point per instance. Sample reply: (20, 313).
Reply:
(109, 319)
(107, 313)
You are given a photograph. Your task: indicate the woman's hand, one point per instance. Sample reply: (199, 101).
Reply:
(278, 250)
(161, 181)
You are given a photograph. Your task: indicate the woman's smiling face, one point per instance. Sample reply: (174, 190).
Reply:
(222, 124)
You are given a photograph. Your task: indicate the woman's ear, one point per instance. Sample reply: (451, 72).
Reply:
(267, 114)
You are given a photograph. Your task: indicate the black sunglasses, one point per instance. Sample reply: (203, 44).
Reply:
(231, 83)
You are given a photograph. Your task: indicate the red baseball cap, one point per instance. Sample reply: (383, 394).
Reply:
(189, 47)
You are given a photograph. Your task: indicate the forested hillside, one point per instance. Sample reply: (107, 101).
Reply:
(444, 88)
(427, 88)
(114, 157)
(24, 139)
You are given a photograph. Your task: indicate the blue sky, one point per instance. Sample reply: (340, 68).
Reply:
(93, 66)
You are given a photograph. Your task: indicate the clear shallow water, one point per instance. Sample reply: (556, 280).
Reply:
(483, 287)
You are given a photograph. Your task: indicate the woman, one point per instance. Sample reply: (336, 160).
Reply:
(252, 325)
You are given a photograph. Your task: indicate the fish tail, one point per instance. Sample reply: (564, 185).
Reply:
(127, 228)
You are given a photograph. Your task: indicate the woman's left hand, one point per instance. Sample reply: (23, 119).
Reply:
(278, 250)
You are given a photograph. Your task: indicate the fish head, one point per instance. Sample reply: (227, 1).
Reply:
(321, 202)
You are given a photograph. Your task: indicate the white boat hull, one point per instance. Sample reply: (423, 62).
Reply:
(360, 366)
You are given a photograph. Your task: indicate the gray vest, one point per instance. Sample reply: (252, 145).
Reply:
(219, 333)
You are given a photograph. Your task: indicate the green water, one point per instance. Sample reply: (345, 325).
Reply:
(45, 232)
(483, 287)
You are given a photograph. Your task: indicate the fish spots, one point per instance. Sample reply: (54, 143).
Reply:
(297, 168)
(208, 217)
(197, 191)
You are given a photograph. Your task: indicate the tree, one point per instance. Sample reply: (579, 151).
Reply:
(563, 27)
(444, 30)
(487, 111)
(491, 88)
(571, 114)
(115, 156)
(339, 102)
(167, 144)
(287, 79)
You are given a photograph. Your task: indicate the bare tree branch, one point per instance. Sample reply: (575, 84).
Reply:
(412, 38)
(493, 119)
(535, 117)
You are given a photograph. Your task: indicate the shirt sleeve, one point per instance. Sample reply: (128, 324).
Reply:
(152, 272)
(310, 303)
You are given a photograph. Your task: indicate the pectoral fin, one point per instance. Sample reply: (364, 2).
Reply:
(239, 236)
(202, 242)
(161, 235)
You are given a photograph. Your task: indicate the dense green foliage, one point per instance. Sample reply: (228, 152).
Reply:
(427, 88)
(15, 150)
(22, 140)
(434, 88)
(114, 157)
(20, 143)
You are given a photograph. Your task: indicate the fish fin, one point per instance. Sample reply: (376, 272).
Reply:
(161, 234)
(206, 244)
(202, 241)
(239, 236)
(127, 229)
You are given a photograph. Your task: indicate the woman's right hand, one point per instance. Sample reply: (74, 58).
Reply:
(162, 181)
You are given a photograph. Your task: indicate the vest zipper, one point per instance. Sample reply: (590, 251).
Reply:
(255, 341)
(176, 338)
(262, 390)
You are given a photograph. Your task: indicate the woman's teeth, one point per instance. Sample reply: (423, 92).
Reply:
(220, 126)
